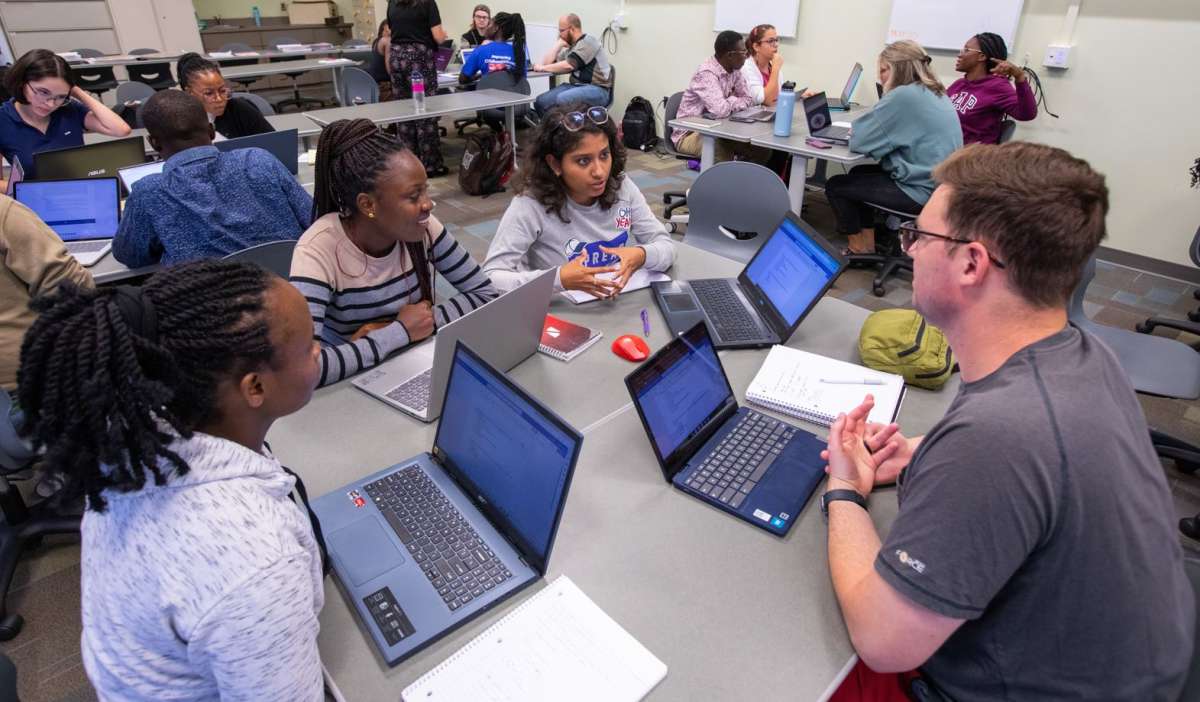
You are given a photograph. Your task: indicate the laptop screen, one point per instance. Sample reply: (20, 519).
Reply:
(792, 270)
(680, 390)
(74, 209)
(133, 174)
(282, 144)
(508, 451)
(851, 84)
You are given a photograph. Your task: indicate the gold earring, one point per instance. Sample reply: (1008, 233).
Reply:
(371, 215)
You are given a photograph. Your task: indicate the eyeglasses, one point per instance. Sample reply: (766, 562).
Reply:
(574, 121)
(736, 52)
(773, 41)
(483, 17)
(215, 95)
(49, 97)
(909, 235)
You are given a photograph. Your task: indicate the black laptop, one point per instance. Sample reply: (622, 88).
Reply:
(820, 123)
(768, 299)
(281, 144)
(100, 160)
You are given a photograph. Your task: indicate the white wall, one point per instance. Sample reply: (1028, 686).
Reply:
(1128, 103)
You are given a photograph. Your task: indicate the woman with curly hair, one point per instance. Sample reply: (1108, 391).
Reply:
(576, 211)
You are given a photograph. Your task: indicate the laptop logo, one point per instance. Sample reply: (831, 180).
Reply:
(98, 171)
(356, 498)
(816, 121)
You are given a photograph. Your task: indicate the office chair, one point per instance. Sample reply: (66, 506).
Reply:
(297, 99)
(734, 207)
(98, 80)
(238, 47)
(894, 260)
(1192, 326)
(258, 101)
(357, 87)
(673, 199)
(275, 256)
(156, 75)
(8, 680)
(1191, 687)
(131, 98)
(494, 118)
(1007, 128)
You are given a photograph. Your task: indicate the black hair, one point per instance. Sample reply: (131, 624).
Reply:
(173, 116)
(551, 138)
(512, 26)
(727, 41)
(192, 63)
(36, 65)
(105, 393)
(993, 48)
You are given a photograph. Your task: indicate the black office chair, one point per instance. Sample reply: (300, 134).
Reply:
(1193, 325)
(892, 259)
(156, 75)
(299, 101)
(494, 118)
(1007, 128)
(94, 79)
(238, 47)
(673, 199)
(258, 101)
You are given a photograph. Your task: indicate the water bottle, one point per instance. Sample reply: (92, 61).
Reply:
(256, 15)
(417, 81)
(783, 109)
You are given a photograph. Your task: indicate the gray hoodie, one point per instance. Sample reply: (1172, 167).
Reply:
(205, 588)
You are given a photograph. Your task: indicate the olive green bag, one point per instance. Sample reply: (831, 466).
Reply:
(902, 342)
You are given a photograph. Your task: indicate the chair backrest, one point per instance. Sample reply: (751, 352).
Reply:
(89, 53)
(1194, 252)
(235, 46)
(503, 80)
(277, 41)
(669, 114)
(258, 101)
(275, 256)
(14, 452)
(357, 87)
(142, 52)
(133, 91)
(739, 196)
(498, 80)
(1007, 127)
(1191, 688)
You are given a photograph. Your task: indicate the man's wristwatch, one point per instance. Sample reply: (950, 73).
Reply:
(835, 495)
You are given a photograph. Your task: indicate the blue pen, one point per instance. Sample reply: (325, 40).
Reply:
(645, 323)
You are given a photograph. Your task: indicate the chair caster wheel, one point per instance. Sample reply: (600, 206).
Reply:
(1194, 315)
(10, 626)
(1143, 328)
(878, 290)
(666, 199)
(1189, 527)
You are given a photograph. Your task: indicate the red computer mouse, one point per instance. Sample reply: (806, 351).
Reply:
(631, 348)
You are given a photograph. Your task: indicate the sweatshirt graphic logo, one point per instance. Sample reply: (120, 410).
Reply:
(964, 102)
(624, 218)
(595, 257)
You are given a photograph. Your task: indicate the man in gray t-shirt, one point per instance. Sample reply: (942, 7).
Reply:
(1034, 555)
(583, 56)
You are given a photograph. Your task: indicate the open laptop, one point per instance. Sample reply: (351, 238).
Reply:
(743, 462)
(282, 144)
(423, 547)
(16, 174)
(505, 331)
(84, 212)
(132, 174)
(820, 123)
(768, 299)
(843, 102)
(99, 160)
(758, 113)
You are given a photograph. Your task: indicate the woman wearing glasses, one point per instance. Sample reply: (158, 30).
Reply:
(232, 117)
(481, 20)
(985, 95)
(763, 65)
(48, 111)
(576, 211)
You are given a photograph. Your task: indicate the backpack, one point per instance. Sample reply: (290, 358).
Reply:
(486, 162)
(638, 127)
(902, 342)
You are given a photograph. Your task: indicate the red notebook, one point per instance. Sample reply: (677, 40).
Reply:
(565, 340)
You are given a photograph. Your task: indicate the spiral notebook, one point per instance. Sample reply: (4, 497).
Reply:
(558, 645)
(565, 340)
(817, 388)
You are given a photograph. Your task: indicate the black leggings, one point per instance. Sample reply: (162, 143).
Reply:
(848, 193)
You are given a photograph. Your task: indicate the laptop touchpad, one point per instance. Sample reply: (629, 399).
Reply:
(365, 549)
(679, 302)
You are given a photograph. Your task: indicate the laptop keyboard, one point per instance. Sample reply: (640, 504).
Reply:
(725, 311)
(413, 392)
(86, 246)
(440, 540)
(739, 462)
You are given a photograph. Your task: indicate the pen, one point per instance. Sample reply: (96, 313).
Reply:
(645, 323)
(852, 381)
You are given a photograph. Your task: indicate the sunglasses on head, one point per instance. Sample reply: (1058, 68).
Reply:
(574, 121)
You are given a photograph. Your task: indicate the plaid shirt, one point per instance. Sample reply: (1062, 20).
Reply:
(715, 91)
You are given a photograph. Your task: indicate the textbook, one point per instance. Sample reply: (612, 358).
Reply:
(558, 645)
(817, 388)
(565, 340)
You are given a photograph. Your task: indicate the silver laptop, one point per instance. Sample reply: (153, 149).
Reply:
(757, 113)
(132, 174)
(84, 212)
(505, 332)
(843, 102)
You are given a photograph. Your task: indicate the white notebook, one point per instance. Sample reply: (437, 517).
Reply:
(558, 645)
(817, 388)
(641, 278)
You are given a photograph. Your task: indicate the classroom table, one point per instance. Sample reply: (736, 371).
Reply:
(304, 127)
(801, 152)
(733, 611)
(172, 56)
(258, 70)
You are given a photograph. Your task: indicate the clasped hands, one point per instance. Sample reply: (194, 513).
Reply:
(862, 454)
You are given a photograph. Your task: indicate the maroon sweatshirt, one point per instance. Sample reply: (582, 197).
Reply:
(982, 104)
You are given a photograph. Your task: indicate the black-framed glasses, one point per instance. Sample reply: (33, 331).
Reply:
(736, 52)
(909, 233)
(773, 41)
(574, 121)
(48, 97)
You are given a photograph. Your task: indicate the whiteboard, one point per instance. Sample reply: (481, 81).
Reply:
(538, 39)
(948, 24)
(744, 15)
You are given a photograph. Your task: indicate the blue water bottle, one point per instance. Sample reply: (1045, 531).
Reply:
(783, 109)
(256, 15)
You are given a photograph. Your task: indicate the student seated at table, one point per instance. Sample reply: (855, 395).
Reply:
(985, 95)
(368, 264)
(33, 262)
(583, 56)
(48, 111)
(910, 130)
(577, 211)
(378, 65)
(202, 579)
(233, 117)
(506, 51)
(718, 89)
(1034, 555)
(763, 65)
(481, 20)
(205, 203)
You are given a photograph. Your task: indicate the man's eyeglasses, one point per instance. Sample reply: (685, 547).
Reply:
(909, 233)
(485, 18)
(736, 52)
(574, 121)
(215, 95)
(48, 97)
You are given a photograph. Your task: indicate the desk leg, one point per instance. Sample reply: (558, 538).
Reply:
(796, 182)
(708, 152)
(510, 123)
(337, 78)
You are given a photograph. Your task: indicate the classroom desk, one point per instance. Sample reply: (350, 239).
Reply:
(734, 612)
(172, 56)
(802, 152)
(723, 129)
(258, 70)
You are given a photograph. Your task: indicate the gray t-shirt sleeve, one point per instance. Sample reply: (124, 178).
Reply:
(966, 524)
(584, 51)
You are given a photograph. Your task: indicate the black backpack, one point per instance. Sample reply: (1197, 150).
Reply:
(638, 127)
(486, 162)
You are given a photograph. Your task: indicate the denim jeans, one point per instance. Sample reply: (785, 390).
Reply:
(565, 94)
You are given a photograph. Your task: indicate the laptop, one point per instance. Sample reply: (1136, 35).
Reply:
(99, 160)
(441, 57)
(505, 331)
(757, 468)
(843, 102)
(282, 144)
(767, 301)
(16, 174)
(430, 543)
(132, 174)
(84, 212)
(820, 123)
(753, 114)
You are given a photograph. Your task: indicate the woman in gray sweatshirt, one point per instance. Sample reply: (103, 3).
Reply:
(576, 211)
(202, 579)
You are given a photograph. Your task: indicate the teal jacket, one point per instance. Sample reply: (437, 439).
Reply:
(909, 131)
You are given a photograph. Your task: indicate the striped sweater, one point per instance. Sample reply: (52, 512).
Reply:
(346, 289)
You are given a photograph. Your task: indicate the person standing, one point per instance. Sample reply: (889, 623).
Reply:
(416, 32)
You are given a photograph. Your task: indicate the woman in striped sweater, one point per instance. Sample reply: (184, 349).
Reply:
(368, 262)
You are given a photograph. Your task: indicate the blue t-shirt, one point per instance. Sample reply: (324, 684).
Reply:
(496, 56)
(18, 138)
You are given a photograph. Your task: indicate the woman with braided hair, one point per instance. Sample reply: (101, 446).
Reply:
(367, 263)
(985, 95)
(201, 578)
(506, 52)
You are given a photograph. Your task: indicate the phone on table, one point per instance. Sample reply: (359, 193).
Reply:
(818, 142)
